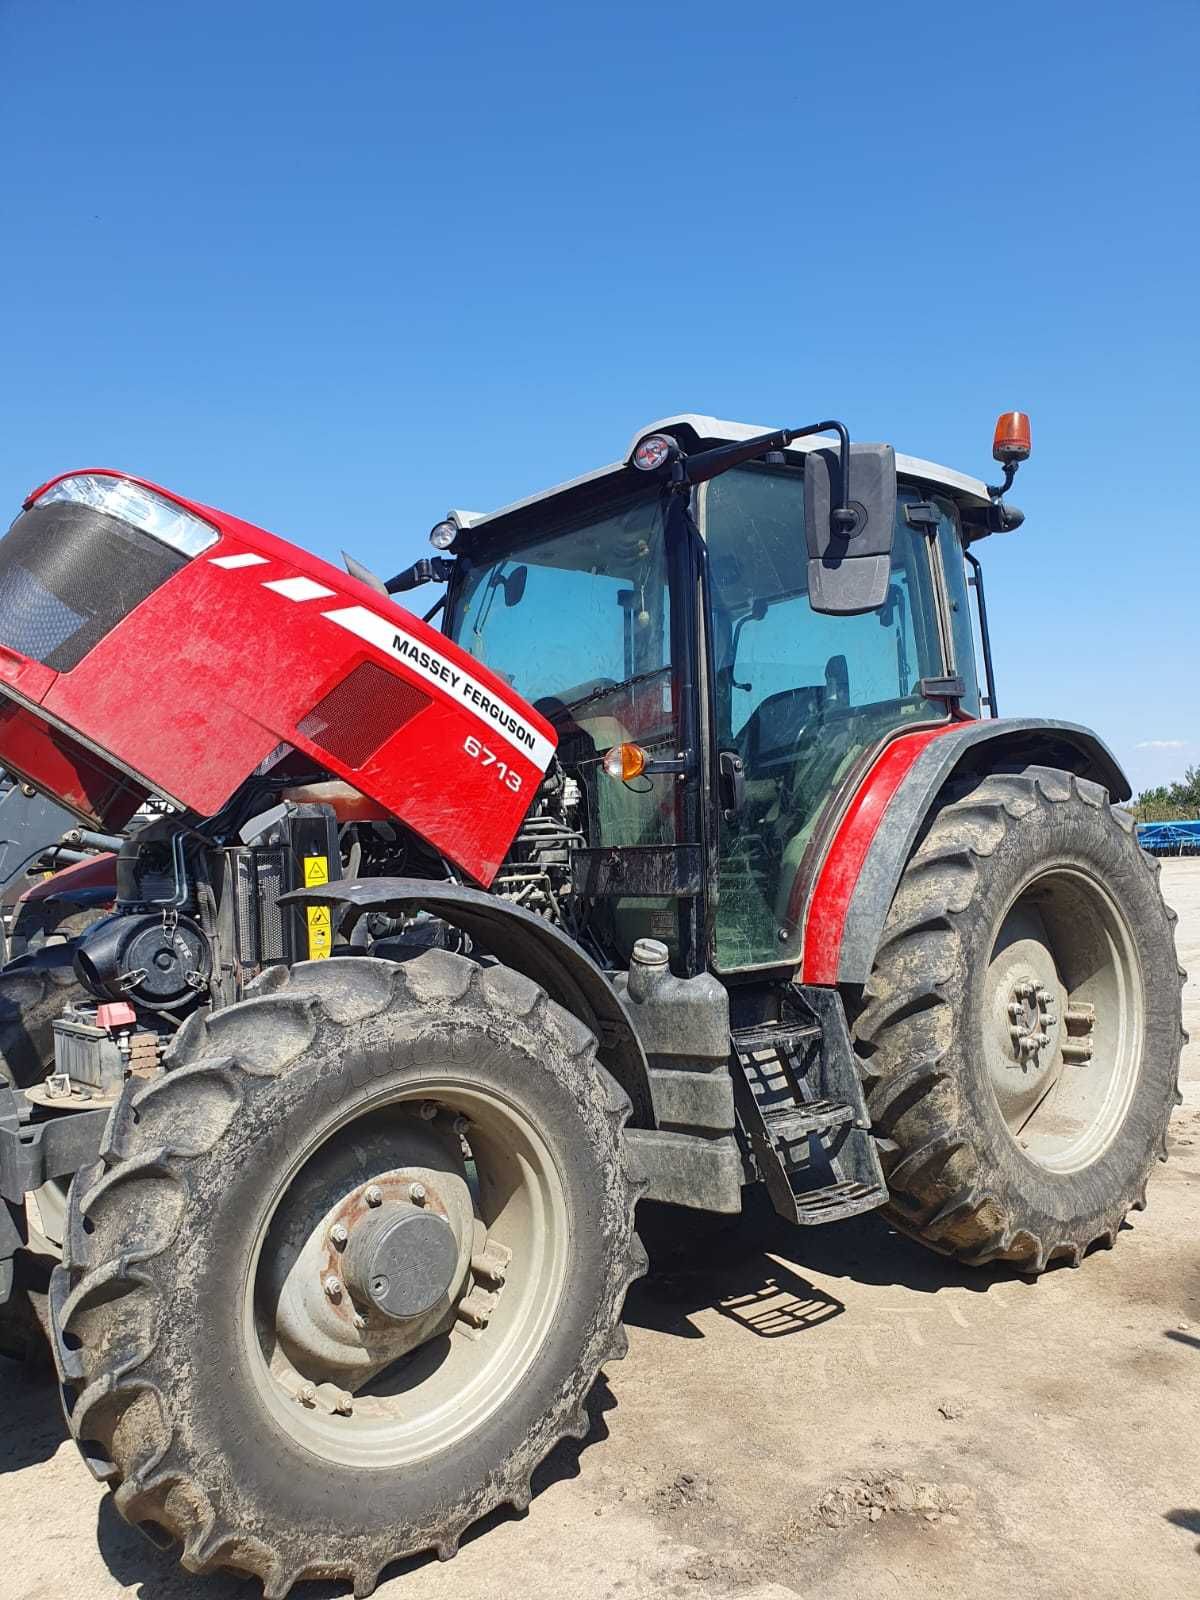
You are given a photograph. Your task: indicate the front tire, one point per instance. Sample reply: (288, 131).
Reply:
(208, 1360)
(31, 996)
(1021, 1030)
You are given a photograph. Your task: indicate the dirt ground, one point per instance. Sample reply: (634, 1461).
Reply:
(845, 1414)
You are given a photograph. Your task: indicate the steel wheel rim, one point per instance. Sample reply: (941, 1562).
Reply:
(1064, 1019)
(448, 1388)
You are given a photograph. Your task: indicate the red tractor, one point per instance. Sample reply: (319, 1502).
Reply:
(682, 858)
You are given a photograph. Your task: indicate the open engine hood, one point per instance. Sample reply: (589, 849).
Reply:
(186, 672)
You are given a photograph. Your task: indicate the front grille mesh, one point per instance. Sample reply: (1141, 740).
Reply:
(270, 865)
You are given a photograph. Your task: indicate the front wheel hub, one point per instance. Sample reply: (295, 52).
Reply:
(401, 1261)
(370, 1251)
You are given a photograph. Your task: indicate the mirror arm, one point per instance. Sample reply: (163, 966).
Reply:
(842, 516)
(430, 569)
(706, 464)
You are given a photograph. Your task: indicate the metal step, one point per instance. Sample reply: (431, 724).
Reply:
(788, 1125)
(835, 1201)
(800, 1101)
(773, 1036)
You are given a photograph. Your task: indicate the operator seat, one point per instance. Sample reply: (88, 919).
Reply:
(795, 744)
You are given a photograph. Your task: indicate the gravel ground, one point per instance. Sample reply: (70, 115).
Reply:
(843, 1413)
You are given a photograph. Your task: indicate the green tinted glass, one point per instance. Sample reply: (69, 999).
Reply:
(799, 696)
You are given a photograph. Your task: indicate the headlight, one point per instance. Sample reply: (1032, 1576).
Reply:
(654, 451)
(142, 508)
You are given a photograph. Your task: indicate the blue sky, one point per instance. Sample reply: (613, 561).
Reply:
(338, 267)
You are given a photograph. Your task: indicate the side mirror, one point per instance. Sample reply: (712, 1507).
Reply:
(849, 569)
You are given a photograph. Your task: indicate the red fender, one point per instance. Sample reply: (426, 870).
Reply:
(839, 874)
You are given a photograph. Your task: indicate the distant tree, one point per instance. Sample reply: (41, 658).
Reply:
(1171, 802)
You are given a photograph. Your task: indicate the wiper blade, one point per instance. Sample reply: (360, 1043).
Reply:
(611, 688)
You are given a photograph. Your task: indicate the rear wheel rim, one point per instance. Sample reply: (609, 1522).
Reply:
(434, 1396)
(1064, 1019)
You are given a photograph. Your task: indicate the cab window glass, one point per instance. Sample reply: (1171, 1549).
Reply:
(799, 695)
(962, 631)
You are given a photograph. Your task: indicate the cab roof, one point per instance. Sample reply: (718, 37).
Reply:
(694, 432)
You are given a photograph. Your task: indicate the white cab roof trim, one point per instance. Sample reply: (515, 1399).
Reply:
(958, 483)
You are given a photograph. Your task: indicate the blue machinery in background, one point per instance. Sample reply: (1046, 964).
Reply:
(1170, 838)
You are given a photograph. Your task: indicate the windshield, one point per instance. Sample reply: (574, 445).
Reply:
(579, 622)
(573, 615)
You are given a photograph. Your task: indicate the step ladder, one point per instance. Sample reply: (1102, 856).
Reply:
(801, 1105)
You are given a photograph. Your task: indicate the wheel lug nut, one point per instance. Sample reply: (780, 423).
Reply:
(374, 1195)
(360, 1321)
(344, 1404)
(333, 1287)
(416, 1193)
(307, 1394)
(1015, 1009)
(339, 1234)
(427, 1110)
(461, 1125)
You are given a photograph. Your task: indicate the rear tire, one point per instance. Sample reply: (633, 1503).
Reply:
(169, 1336)
(1021, 1030)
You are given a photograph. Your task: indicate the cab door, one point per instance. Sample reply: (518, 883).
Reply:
(799, 696)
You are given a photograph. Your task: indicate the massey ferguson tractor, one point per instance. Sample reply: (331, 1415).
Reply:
(684, 854)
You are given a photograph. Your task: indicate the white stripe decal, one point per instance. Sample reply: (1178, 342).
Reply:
(496, 714)
(246, 559)
(299, 589)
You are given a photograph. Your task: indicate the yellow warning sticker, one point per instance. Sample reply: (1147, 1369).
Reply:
(320, 933)
(320, 918)
(316, 871)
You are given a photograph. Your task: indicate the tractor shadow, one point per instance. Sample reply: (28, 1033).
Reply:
(754, 1269)
(34, 1429)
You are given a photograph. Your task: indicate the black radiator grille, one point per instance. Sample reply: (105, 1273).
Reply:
(69, 574)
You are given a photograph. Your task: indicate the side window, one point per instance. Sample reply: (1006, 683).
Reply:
(799, 696)
(962, 631)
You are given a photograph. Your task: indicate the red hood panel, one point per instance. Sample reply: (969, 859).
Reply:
(257, 644)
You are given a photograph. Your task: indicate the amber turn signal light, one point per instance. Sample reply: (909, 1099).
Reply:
(625, 761)
(1011, 439)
